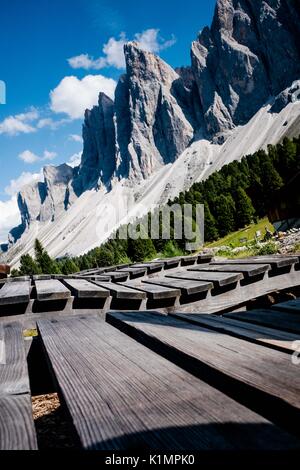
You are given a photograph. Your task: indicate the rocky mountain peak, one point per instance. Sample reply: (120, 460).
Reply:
(250, 52)
(248, 58)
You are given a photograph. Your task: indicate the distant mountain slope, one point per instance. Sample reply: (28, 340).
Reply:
(167, 129)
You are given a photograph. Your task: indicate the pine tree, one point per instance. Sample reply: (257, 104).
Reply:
(46, 264)
(69, 267)
(224, 214)
(210, 226)
(270, 178)
(141, 249)
(244, 208)
(105, 257)
(28, 266)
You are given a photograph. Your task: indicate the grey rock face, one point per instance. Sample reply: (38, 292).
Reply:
(154, 124)
(43, 200)
(250, 52)
(98, 157)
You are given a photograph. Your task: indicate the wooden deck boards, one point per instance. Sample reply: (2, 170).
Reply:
(186, 286)
(17, 430)
(51, 290)
(218, 279)
(16, 423)
(121, 291)
(153, 291)
(15, 293)
(123, 396)
(270, 318)
(275, 339)
(249, 270)
(274, 261)
(84, 289)
(268, 375)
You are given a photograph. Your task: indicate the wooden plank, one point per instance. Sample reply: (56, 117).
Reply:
(275, 262)
(120, 291)
(15, 293)
(51, 290)
(205, 257)
(150, 267)
(170, 262)
(121, 396)
(265, 374)
(189, 260)
(84, 289)
(41, 277)
(218, 279)
(18, 279)
(17, 430)
(249, 270)
(270, 318)
(133, 271)
(153, 291)
(187, 287)
(117, 276)
(13, 366)
(275, 339)
(292, 306)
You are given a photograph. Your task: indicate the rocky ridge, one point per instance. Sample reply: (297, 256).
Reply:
(249, 56)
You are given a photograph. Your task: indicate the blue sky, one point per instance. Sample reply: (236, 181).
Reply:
(36, 40)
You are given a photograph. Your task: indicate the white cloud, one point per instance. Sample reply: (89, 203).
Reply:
(51, 123)
(25, 178)
(73, 96)
(149, 40)
(49, 155)
(84, 61)
(20, 123)
(75, 138)
(74, 160)
(29, 157)
(10, 215)
(113, 50)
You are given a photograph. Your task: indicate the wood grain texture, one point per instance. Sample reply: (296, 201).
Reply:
(15, 293)
(16, 422)
(274, 261)
(218, 279)
(17, 430)
(117, 276)
(84, 289)
(153, 291)
(120, 291)
(51, 290)
(121, 396)
(275, 339)
(133, 271)
(267, 371)
(13, 367)
(270, 318)
(249, 270)
(187, 287)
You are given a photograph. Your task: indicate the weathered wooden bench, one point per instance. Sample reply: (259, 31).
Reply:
(17, 430)
(204, 286)
(260, 377)
(121, 395)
